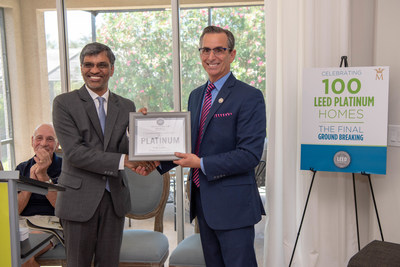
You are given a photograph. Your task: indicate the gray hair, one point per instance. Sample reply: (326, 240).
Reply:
(215, 29)
(45, 124)
(95, 48)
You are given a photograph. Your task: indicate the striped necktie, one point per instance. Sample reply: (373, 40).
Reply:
(204, 113)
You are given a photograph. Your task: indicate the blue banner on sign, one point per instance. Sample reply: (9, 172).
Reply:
(368, 159)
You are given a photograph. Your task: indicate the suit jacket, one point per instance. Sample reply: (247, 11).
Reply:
(231, 148)
(89, 158)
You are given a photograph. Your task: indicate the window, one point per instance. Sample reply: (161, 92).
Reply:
(6, 133)
(79, 32)
(142, 42)
(246, 24)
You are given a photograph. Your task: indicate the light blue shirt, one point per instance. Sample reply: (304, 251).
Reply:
(218, 85)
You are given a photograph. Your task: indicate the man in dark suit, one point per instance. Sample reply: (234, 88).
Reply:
(227, 145)
(93, 135)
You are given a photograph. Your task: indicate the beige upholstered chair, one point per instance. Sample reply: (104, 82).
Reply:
(189, 252)
(260, 173)
(149, 196)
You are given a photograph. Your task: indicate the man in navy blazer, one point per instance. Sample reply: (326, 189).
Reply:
(226, 202)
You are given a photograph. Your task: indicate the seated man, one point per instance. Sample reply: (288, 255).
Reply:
(44, 166)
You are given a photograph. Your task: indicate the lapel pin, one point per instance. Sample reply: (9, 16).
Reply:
(220, 100)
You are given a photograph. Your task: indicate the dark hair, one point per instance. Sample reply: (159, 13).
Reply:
(215, 29)
(95, 48)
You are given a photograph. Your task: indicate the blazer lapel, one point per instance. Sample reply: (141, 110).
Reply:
(91, 111)
(197, 110)
(220, 99)
(112, 114)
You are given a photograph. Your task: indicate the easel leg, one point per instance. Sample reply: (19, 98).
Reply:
(373, 198)
(302, 217)
(355, 204)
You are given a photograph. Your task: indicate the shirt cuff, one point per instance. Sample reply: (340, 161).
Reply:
(202, 166)
(121, 162)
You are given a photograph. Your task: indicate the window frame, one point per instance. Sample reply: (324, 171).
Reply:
(7, 97)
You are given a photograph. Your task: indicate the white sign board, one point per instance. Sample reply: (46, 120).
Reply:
(344, 119)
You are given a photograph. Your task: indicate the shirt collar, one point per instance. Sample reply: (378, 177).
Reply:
(94, 96)
(218, 84)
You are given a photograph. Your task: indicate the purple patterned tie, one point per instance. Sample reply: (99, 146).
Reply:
(204, 113)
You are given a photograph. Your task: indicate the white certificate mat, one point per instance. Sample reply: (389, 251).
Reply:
(158, 135)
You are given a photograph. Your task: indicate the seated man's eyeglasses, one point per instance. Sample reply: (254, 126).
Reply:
(48, 139)
(218, 51)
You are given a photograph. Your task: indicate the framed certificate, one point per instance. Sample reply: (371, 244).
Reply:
(158, 135)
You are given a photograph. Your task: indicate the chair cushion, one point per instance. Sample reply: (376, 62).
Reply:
(377, 254)
(143, 246)
(188, 253)
(137, 246)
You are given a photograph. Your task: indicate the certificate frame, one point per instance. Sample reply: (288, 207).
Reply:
(158, 135)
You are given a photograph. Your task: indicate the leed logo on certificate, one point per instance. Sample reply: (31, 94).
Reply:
(158, 135)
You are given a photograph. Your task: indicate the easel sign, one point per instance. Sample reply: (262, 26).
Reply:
(344, 119)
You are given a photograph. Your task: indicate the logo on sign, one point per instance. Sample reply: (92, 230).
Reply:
(342, 159)
(379, 74)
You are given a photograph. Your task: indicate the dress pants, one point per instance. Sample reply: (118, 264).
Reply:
(225, 248)
(98, 240)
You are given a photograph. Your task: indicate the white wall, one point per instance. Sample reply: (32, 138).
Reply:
(375, 41)
(387, 53)
(374, 27)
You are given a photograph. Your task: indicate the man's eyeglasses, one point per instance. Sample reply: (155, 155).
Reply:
(101, 65)
(218, 51)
